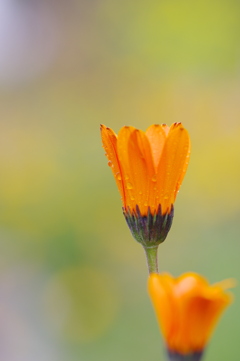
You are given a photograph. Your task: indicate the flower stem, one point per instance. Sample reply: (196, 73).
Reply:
(152, 261)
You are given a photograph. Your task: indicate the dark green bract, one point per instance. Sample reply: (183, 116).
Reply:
(174, 356)
(149, 230)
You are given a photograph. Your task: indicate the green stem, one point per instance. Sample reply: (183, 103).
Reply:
(152, 261)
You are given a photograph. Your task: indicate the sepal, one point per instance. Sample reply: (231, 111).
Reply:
(174, 356)
(151, 229)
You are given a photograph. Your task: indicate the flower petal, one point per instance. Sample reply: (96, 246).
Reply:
(160, 288)
(135, 156)
(109, 139)
(157, 135)
(199, 316)
(173, 164)
(188, 309)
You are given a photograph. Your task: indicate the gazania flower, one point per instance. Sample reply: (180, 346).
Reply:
(187, 309)
(148, 168)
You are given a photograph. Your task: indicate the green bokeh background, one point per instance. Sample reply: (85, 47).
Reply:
(72, 278)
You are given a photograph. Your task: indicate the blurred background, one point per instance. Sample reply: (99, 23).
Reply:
(72, 279)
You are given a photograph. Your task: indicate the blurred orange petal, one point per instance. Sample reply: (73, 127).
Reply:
(187, 309)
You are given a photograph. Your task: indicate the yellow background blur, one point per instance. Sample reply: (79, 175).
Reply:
(72, 279)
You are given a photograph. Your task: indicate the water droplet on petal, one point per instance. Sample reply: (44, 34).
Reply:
(129, 185)
(140, 192)
(110, 163)
(119, 176)
(132, 198)
(126, 177)
(165, 197)
(154, 178)
(145, 204)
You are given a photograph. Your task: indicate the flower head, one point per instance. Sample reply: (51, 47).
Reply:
(187, 309)
(148, 168)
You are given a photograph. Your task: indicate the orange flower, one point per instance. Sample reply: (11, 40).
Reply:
(187, 309)
(148, 168)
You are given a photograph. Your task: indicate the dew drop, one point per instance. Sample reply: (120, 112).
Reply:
(126, 177)
(119, 176)
(154, 178)
(129, 185)
(110, 163)
(165, 197)
(140, 192)
(145, 204)
(132, 198)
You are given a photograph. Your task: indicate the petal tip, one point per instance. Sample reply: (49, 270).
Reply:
(102, 127)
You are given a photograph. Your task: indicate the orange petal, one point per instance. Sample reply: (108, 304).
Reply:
(109, 139)
(143, 171)
(157, 135)
(135, 156)
(159, 297)
(188, 309)
(189, 283)
(122, 151)
(173, 164)
(199, 306)
(160, 291)
(199, 316)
